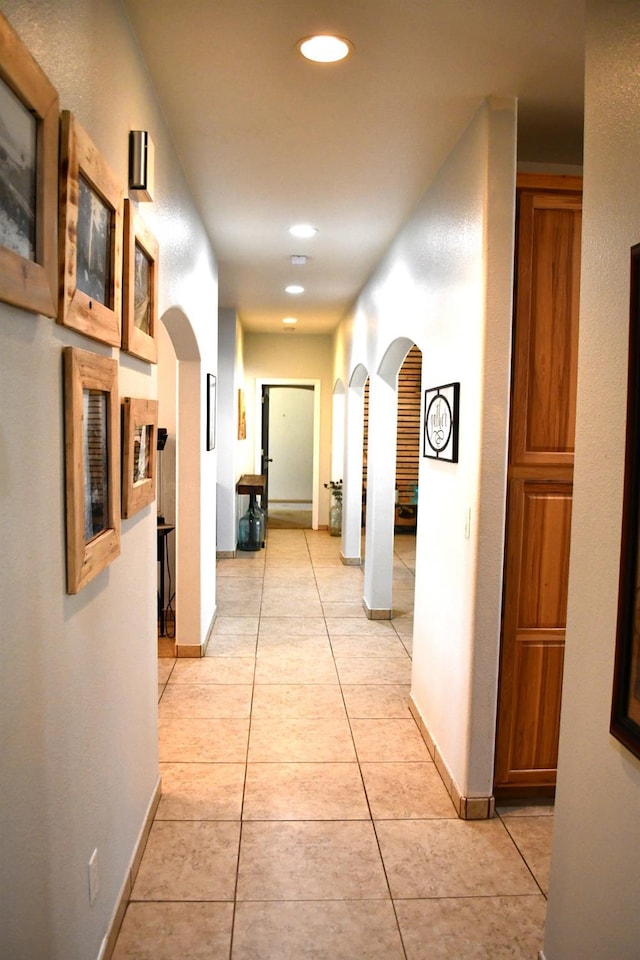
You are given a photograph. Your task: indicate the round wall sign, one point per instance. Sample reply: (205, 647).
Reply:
(439, 423)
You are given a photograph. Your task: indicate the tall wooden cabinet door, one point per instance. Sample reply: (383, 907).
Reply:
(535, 613)
(546, 332)
(540, 475)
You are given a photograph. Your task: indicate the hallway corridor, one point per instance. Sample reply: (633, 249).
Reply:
(301, 816)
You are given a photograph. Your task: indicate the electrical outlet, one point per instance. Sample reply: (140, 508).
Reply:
(94, 879)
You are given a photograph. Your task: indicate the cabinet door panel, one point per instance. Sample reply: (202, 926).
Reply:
(539, 525)
(547, 304)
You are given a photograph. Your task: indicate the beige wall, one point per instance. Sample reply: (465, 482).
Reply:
(593, 911)
(446, 285)
(78, 695)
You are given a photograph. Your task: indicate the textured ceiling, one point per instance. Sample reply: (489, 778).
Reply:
(267, 139)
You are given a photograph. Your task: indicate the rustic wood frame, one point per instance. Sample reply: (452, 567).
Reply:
(32, 284)
(86, 558)
(625, 705)
(80, 157)
(136, 494)
(136, 233)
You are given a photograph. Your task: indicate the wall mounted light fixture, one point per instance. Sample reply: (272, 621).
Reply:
(141, 165)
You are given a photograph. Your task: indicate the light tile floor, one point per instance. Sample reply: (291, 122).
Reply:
(301, 815)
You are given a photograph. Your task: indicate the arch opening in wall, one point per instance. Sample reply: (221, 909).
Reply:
(179, 393)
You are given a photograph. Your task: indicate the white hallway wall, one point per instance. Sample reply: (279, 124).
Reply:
(446, 285)
(78, 676)
(593, 910)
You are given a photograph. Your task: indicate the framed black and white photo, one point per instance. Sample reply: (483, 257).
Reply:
(211, 411)
(92, 464)
(441, 414)
(91, 210)
(140, 288)
(28, 179)
(625, 706)
(139, 433)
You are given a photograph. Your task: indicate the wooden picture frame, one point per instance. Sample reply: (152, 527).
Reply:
(28, 179)
(441, 421)
(89, 237)
(242, 416)
(211, 411)
(139, 441)
(140, 287)
(92, 464)
(625, 704)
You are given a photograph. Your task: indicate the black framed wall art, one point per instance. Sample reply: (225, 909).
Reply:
(625, 706)
(441, 416)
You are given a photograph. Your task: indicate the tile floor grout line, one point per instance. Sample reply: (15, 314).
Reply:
(407, 918)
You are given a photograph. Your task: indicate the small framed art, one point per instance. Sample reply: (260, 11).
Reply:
(211, 411)
(92, 464)
(28, 179)
(90, 238)
(441, 415)
(242, 416)
(625, 705)
(140, 287)
(139, 433)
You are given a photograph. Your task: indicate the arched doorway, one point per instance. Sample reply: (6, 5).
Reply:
(179, 397)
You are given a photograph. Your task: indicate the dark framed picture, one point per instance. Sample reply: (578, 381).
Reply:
(28, 179)
(140, 287)
(211, 411)
(441, 415)
(92, 464)
(139, 433)
(90, 238)
(625, 706)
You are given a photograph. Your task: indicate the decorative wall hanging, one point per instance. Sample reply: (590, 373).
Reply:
(90, 238)
(140, 287)
(242, 416)
(441, 412)
(28, 179)
(211, 411)
(139, 433)
(625, 707)
(92, 464)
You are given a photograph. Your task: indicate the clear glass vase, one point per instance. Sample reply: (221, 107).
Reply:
(335, 518)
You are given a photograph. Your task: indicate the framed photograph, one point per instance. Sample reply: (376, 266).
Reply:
(90, 238)
(625, 706)
(242, 416)
(211, 411)
(139, 438)
(28, 179)
(441, 414)
(92, 464)
(140, 287)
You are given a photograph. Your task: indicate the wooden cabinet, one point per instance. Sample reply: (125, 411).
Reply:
(539, 489)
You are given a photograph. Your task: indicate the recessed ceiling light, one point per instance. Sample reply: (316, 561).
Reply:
(324, 48)
(304, 230)
(290, 321)
(294, 288)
